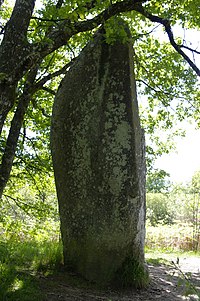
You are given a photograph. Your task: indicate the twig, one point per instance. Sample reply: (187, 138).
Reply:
(49, 90)
(39, 85)
(189, 48)
(186, 278)
(168, 29)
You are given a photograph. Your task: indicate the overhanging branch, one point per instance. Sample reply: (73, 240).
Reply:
(189, 48)
(40, 84)
(168, 29)
(125, 6)
(112, 10)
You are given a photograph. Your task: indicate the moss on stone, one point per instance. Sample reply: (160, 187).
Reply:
(99, 168)
(132, 273)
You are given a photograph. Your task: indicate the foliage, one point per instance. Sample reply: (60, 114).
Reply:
(186, 200)
(159, 210)
(168, 238)
(181, 204)
(30, 204)
(55, 34)
(157, 181)
(34, 56)
(24, 251)
(196, 182)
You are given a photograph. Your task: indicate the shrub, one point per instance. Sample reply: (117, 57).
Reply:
(159, 210)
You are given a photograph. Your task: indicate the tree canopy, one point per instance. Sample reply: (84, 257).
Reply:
(40, 40)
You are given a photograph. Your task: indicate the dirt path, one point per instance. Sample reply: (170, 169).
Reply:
(167, 284)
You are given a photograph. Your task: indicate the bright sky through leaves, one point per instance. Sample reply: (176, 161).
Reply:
(182, 164)
(186, 161)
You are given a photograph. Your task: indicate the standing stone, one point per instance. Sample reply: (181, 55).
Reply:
(98, 158)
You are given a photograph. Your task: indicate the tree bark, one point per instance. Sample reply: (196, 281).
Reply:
(13, 49)
(14, 45)
(1, 2)
(16, 124)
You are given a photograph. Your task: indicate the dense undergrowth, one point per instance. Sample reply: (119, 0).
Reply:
(28, 254)
(30, 243)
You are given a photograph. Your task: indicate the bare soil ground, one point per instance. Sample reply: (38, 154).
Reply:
(168, 283)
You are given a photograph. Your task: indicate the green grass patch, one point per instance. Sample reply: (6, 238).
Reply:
(20, 261)
(163, 256)
(24, 257)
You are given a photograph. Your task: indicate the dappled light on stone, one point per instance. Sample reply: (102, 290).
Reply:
(99, 164)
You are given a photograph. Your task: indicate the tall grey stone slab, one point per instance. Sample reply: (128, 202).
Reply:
(98, 158)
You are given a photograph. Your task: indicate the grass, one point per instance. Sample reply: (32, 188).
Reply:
(167, 243)
(163, 256)
(177, 237)
(22, 261)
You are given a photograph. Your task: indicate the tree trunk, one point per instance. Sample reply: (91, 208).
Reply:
(13, 50)
(16, 124)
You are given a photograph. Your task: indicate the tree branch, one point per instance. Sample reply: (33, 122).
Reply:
(39, 85)
(49, 90)
(168, 29)
(16, 28)
(88, 6)
(66, 29)
(14, 46)
(112, 10)
(161, 92)
(1, 2)
(191, 49)
(59, 4)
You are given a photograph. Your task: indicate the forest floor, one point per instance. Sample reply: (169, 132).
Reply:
(169, 282)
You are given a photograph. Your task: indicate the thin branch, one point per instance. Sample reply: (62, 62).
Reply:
(168, 29)
(48, 20)
(26, 207)
(167, 94)
(146, 33)
(39, 85)
(157, 92)
(49, 64)
(71, 50)
(49, 90)
(2, 29)
(32, 166)
(59, 4)
(189, 48)
(152, 88)
(44, 113)
(160, 91)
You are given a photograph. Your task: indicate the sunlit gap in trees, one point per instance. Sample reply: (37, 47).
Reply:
(170, 137)
(182, 163)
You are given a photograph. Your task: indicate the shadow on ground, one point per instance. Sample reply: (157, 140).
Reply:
(168, 283)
